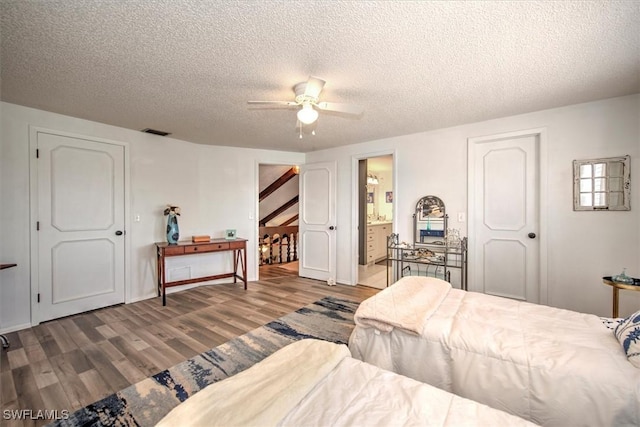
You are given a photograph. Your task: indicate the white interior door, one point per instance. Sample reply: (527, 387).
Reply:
(505, 251)
(81, 225)
(317, 224)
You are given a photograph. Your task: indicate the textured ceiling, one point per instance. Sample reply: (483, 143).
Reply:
(189, 67)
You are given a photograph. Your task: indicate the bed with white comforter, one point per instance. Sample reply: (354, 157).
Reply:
(317, 383)
(551, 366)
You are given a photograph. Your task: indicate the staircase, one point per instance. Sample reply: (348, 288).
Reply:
(278, 229)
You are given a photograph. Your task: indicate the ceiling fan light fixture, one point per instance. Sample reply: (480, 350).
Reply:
(307, 114)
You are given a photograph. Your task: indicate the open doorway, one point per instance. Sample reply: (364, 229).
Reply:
(375, 218)
(278, 210)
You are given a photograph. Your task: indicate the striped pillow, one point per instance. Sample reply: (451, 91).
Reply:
(628, 334)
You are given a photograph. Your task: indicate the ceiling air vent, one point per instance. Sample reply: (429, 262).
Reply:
(155, 132)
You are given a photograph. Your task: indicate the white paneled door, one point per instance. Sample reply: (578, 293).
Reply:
(80, 196)
(317, 225)
(505, 247)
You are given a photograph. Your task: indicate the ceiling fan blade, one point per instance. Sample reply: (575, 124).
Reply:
(285, 103)
(340, 108)
(314, 87)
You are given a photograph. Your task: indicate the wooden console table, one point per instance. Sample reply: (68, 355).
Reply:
(164, 250)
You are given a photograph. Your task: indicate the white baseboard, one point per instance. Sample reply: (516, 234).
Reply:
(142, 298)
(15, 328)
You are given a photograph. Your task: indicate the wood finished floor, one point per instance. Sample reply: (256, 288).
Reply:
(71, 362)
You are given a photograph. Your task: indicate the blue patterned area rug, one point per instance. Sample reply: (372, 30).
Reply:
(147, 402)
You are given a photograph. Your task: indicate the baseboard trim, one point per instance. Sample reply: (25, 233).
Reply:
(15, 328)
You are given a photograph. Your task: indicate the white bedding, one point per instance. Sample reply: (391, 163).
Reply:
(316, 383)
(404, 307)
(554, 367)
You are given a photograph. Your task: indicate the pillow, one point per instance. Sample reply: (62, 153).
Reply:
(611, 322)
(628, 334)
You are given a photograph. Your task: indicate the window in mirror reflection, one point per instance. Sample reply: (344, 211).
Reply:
(602, 184)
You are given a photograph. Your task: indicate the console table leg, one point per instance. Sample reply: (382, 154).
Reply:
(244, 268)
(158, 274)
(236, 256)
(164, 288)
(240, 259)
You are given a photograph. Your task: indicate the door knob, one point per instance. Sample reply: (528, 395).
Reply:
(332, 227)
(119, 233)
(532, 235)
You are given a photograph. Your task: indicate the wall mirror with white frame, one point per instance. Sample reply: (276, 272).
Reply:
(602, 184)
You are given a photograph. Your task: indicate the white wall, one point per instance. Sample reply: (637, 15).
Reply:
(582, 246)
(216, 188)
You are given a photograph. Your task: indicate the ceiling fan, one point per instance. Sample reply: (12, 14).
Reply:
(307, 102)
